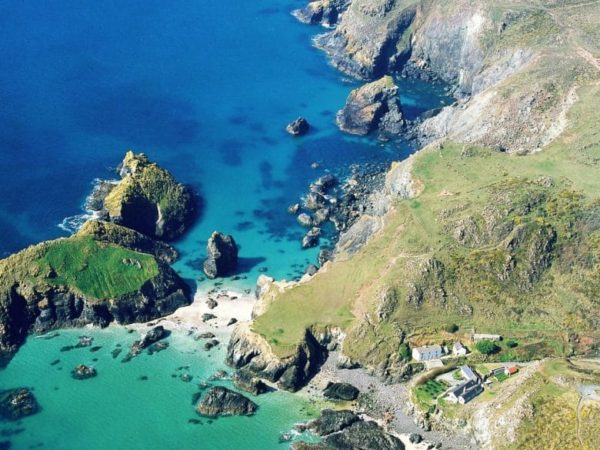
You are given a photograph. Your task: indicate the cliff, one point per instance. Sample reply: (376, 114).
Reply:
(97, 276)
(149, 200)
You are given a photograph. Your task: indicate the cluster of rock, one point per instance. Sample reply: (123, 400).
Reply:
(373, 106)
(17, 403)
(342, 430)
(220, 401)
(149, 341)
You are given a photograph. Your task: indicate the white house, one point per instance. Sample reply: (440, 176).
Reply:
(427, 353)
(458, 349)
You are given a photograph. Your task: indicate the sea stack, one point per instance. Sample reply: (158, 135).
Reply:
(222, 255)
(375, 105)
(298, 127)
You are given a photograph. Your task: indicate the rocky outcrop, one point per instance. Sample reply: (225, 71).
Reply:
(222, 255)
(344, 430)
(115, 234)
(17, 403)
(251, 352)
(298, 127)
(324, 12)
(220, 401)
(245, 381)
(341, 391)
(374, 106)
(40, 290)
(149, 200)
(371, 38)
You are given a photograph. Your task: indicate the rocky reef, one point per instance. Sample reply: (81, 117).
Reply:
(220, 401)
(149, 200)
(344, 430)
(249, 351)
(83, 372)
(298, 127)
(17, 403)
(84, 279)
(222, 255)
(374, 106)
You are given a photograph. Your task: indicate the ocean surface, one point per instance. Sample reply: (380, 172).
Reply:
(205, 89)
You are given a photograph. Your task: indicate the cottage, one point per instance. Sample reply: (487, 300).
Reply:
(486, 337)
(509, 371)
(468, 373)
(427, 353)
(458, 349)
(465, 392)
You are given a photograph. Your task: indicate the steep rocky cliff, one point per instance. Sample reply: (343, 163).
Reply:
(149, 200)
(96, 276)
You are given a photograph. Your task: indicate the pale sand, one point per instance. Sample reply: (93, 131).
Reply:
(231, 304)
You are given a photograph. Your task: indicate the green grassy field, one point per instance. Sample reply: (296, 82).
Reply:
(97, 270)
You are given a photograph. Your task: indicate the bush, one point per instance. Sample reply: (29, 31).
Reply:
(511, 343)
(452, 328)
(487, 347)
(404, 351)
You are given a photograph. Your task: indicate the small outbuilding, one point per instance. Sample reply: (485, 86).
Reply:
(458, 349)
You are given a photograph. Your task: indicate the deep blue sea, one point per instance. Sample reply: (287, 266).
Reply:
(205, 89)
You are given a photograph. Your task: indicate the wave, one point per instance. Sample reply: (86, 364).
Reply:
(92, 206)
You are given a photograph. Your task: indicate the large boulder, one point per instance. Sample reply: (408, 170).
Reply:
(17, 403)
(341, 391)
(374, 106)
(222, 255)
(220, 401)
(332, 421)
(148, 199)
(298, 127)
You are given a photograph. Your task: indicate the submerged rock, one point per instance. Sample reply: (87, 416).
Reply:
(341, 391)
(222, 256)
(375, 105)
(298, 127)
(220, 401)
(83, 372)
(17, 403)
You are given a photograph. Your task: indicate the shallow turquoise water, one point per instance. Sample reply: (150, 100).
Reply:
(205, 89)
(118, 410)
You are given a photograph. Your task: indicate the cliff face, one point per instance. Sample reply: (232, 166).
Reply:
(88, 278)
(149, 200)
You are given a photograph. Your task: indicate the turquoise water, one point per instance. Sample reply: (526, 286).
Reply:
(205, 89)
(118, 410)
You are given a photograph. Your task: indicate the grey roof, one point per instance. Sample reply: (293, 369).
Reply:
(462, 388)
(468, 373)
(429, 348)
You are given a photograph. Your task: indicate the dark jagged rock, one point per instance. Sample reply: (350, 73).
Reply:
(350, 432)
(294, 209)
(222, 255)
(232, 321)
(208, 316)
(149, 200)
(324, 256)
(17, 403)
(298, 127)
(415, 438)
(331, 421)
(311, 269)
(341, 391)
(210, 344)
(206, 335)
(375, 105)
(244, 380)
(211, 303)
(220, 401)
(154, 335)
(325, 12)
(250, 351)
(311, 239)
(83, 372)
